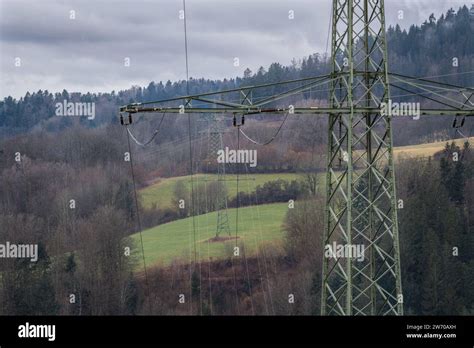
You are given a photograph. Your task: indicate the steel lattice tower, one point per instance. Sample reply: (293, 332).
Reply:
(361, 204)
(216, 144)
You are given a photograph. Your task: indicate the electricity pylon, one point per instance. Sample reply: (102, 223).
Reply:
(216, 144)
(361, 205)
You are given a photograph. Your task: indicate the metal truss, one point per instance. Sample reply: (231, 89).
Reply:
(360, 202)
(216, 144)
(241, 101)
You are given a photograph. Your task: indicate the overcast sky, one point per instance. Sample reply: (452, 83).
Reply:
(88, 53)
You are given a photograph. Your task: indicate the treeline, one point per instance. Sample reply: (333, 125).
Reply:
(271, 192)
(82, 254)
(206, 196)
(71, 194)
(436, 235)
(436, 232)
(442, 46)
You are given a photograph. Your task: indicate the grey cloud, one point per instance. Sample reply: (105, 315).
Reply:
(87, 54)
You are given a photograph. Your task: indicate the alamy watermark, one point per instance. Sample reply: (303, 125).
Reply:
(237, 156)
(76, 109)
(28, 330)
(400, 109)
(337, 251)
(26, 251)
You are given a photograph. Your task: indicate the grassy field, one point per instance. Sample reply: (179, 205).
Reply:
(174, 240)
(161, 192)
(257, 225)
(426, 150)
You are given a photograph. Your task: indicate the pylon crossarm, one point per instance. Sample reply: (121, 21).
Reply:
(298, 111)
(425, 96)
(225, 97)
(424, 88)
(432, 82)
(456, 98)
(296, 90)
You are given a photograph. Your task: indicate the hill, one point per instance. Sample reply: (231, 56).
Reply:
(161, 192)
(173, 241)
(428, 149)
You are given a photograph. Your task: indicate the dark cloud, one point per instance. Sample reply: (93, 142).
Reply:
(87, 53)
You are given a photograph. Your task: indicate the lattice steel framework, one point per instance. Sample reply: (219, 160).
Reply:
(216, 144)
(361, 204)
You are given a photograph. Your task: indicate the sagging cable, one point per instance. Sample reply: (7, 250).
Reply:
(270, 140)
(152, 137)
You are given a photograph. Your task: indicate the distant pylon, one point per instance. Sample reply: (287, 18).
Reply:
(216, 144)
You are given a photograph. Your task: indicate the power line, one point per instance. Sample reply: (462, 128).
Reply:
(193, 213)
(265, 85)
(174, 148)
(137, 211)
(329, 29)
(186, 46)
(237, 185)
(152, 137)
(236, 222)
(271, 139)
(263, 96)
